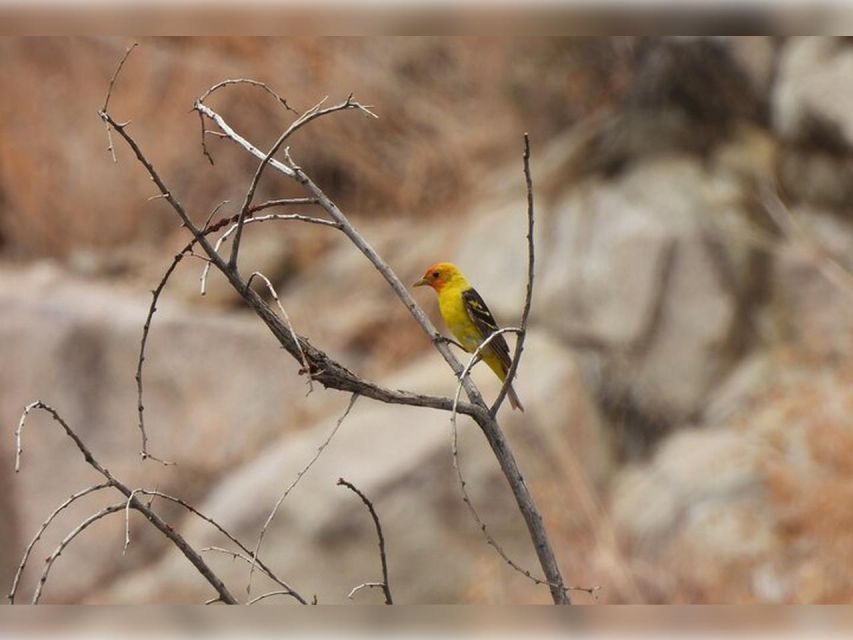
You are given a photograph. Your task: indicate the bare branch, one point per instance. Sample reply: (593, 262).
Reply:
(305, 367)
(225, 532)
(67, 540)
(135, 503)
(528, 298)
(22, 565)
(386, 589)
(305, 118)
(296, 480)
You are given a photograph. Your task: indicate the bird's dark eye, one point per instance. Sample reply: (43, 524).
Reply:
(435, 274)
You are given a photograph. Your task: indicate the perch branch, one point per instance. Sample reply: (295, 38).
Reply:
(480, 412)
(528, 297)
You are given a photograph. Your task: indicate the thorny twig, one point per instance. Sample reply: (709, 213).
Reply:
(386, 589)
(110, 147)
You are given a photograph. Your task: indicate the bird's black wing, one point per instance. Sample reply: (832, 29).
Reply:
(485, 322)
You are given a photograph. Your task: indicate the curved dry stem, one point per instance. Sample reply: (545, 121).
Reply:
(67, 540)
(293, 484)
(22, 565)
(127, 520)
(249, 81)
(366, 585)
(305, 367)
(386, 589)
(270, 594)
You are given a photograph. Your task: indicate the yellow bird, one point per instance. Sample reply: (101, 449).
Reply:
(469, 319)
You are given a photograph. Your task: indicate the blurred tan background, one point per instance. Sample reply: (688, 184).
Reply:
(687, 377)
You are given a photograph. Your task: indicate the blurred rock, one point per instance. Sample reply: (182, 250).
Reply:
(813, 93)
(636, 267)
(749, 510)
(322, 540)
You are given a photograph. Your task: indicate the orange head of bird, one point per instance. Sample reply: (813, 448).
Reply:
(438, 275)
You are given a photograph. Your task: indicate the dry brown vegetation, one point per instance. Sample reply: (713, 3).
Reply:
(425, 157)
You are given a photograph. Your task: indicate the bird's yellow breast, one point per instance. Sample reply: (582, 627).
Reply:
(452, 308)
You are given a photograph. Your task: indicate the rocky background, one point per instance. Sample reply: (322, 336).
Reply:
(688, 374)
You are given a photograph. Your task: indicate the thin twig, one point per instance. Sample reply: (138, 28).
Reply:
(211, 214)
(254, 83)
(110, 147)
(366, 585)
(269, 594)
(67, 540)
(22, 565)
(386, 589)
(290, 487)
(127, 521)
(305, 367)
(528, 298)
(281, 202)
(273, 216)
